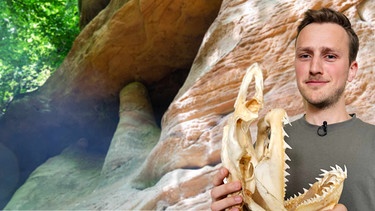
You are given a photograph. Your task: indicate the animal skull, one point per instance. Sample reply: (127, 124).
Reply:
(262, 169)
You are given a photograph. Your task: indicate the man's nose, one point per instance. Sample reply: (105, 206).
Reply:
(316, 66)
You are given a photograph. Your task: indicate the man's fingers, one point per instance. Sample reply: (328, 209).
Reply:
(225, 203)
(222, 191)
(219, 177)
(219, 192)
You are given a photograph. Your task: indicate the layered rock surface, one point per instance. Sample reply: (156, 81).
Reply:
(177, 172)
(153, 42)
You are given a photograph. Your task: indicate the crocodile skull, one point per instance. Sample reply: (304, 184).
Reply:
(262, 169)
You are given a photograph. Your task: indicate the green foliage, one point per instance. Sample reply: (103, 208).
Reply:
(35, 37)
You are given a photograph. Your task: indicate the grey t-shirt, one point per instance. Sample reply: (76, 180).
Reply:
(350, 143)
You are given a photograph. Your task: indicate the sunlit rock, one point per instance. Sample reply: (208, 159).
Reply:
(136, 134)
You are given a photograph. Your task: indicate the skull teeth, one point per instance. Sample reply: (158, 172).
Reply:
(332, 178)
(263, 169)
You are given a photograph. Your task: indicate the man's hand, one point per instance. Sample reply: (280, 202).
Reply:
(219, 193)
(339, 207)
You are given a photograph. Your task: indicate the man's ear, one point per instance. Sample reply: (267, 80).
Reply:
(352, 70)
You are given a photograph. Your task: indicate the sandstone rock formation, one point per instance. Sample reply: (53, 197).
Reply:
(147, 41)
(177, 172)
(137, 133)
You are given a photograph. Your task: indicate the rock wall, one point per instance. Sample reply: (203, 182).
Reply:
(176, 174)
(153, 42)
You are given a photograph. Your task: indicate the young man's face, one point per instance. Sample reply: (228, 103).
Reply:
(322, 63)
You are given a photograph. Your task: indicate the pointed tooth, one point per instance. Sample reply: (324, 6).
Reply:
(287, 145)
(287, 157)
(286, 120)
(338, 167)
(324, 171)
(287, 166)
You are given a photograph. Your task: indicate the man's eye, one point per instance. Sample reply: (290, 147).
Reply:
(330, 56)
(304, 56)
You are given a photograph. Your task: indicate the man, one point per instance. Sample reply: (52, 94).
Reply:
(325, 60)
